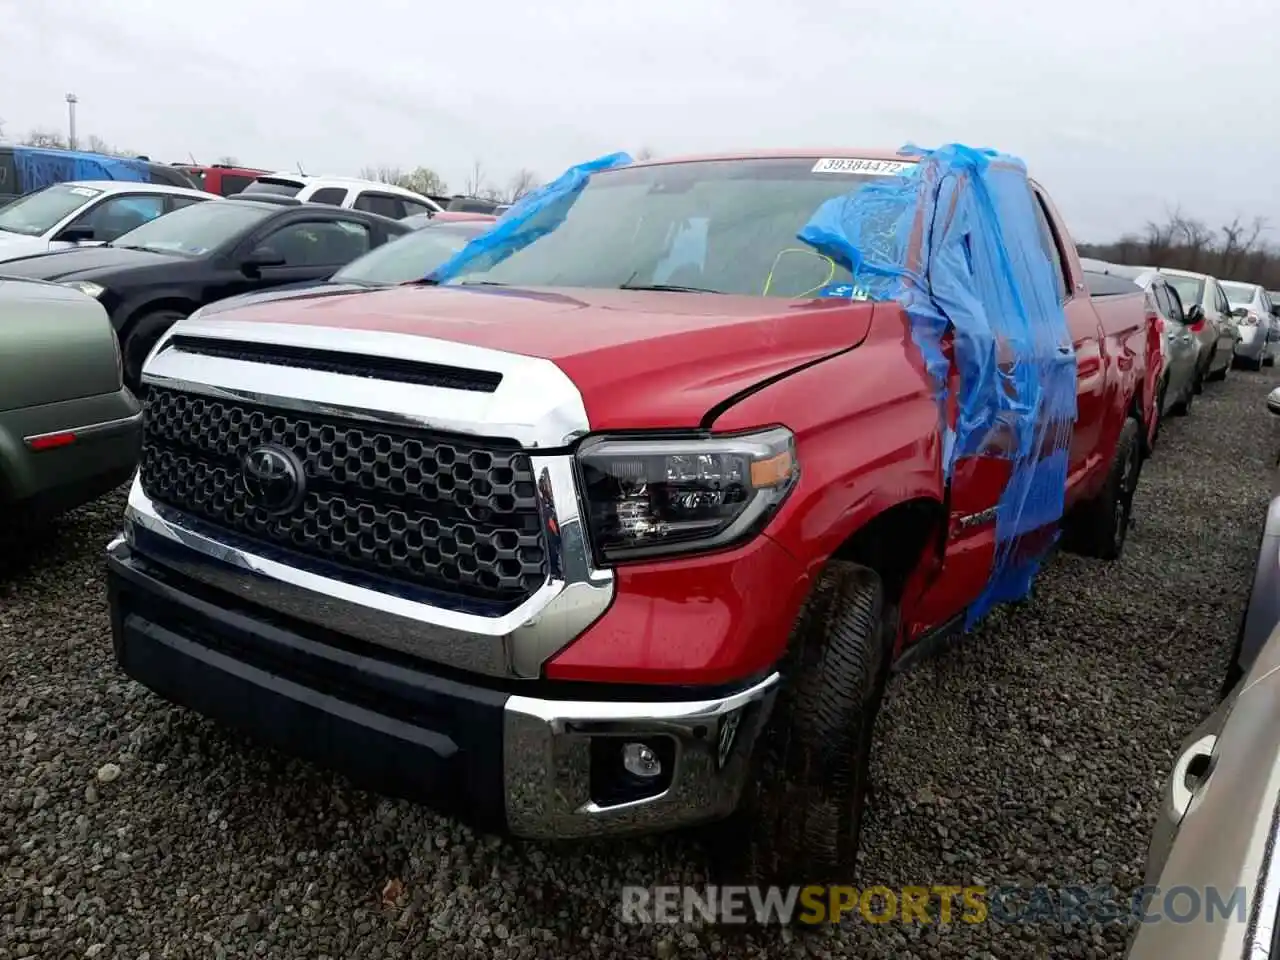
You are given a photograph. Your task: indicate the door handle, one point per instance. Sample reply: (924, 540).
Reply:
(1186, 338)
(1190, 772)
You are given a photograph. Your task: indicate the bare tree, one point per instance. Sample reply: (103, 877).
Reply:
(49, 139)
(520, 184)
(425, 181)
(1239, 240)
(383, 174)
(1236, 251)
(644, 153)
(1159, 239)
(475, 180)
(421, 180)
(228, 161)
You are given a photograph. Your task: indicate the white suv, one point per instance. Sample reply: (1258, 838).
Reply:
(349, 192)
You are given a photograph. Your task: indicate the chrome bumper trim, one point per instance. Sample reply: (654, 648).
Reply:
(515, 644)
(546, 761)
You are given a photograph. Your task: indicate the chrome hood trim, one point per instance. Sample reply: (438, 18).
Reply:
(536, 403)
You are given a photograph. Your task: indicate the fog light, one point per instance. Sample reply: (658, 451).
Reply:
(639, 760)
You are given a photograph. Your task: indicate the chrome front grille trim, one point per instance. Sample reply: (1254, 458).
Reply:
(535, 404)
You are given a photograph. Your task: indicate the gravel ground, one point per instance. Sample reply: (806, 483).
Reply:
(1032, 752)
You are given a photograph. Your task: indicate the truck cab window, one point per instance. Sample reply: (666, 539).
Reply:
(1050, 244)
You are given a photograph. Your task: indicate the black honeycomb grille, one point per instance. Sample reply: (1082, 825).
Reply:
(444, 512)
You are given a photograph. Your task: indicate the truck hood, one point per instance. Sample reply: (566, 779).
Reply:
(641, 359)
(302, 290)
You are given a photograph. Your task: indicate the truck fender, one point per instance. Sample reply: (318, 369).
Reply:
(869, 447)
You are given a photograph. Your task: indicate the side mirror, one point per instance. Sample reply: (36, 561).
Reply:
(1240, 313)
(1195, 314)
(76, 233)
(1273, 401)
(261, 257)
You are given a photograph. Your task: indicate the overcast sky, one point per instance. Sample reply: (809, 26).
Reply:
(1122, 108)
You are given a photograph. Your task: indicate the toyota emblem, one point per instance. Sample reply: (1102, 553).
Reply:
(273, 478)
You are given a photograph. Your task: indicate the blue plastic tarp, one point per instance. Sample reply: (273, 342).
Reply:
(38, 168)
(956, 240)
(535, 214)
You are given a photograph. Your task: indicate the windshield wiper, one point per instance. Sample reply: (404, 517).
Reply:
(665, 287)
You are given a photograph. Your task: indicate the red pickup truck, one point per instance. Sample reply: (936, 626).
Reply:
(623, 530)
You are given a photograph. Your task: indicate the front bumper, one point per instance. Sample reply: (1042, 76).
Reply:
(538, 767)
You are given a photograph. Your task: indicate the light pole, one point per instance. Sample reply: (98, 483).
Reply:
(72, 100)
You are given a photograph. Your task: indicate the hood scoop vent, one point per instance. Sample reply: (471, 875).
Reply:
(347, 364)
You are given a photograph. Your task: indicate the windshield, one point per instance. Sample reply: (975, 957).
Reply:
(724, 226)
(196, 230)
(39, 212)
(283, 188)
(412, 256)
(1240, 294)
(1190, 289)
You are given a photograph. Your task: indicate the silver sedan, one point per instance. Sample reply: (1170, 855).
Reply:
(1216, 845)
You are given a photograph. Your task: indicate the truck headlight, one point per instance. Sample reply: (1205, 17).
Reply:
(649, 497)
(94, 290)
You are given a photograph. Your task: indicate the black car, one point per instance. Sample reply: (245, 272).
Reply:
(156, 274)
(405, 259)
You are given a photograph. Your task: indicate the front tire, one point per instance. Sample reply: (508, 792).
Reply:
(1159, 415)
(1217, 375)
(139, 337)
(1099, 527)
(800, 819)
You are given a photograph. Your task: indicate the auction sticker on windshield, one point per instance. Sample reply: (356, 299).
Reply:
(863, 165)
(85, 191)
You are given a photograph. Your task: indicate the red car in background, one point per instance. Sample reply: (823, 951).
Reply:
(220, 178)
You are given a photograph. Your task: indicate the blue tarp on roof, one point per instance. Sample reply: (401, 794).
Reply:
(535, 214)
(38, 168)
(956, 240)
